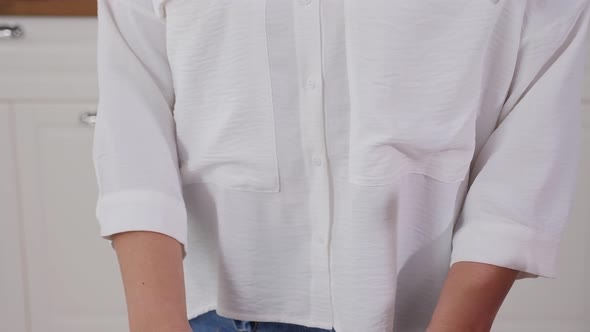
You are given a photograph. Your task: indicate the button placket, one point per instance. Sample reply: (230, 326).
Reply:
(308, 21)
(309, 56)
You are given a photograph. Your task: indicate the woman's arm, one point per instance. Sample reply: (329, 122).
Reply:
(151, 267)
(471, 297)
(140, 206)
(523, 178)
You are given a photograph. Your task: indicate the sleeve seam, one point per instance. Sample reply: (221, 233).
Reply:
(561, 26)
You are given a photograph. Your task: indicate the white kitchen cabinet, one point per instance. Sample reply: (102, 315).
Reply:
(55, 60)
(72, 278)
(12, 288)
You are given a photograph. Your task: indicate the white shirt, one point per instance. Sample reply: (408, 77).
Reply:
(323, 162)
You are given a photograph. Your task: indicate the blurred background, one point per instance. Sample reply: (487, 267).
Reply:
(58, 275)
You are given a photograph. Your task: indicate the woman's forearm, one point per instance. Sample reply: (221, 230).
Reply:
(152, 272)
(471, 297)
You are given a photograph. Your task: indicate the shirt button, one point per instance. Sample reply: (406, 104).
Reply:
(316, 161)
(305, 2)
(321, 240)
(310, 84)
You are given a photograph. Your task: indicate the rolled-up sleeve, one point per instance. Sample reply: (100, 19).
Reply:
(524, 177)
(135, 154)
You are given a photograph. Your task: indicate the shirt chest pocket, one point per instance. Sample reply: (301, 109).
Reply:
(414, 96)
(224, 110)
(419, 120)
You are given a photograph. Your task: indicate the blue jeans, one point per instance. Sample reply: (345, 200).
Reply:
(212, 322)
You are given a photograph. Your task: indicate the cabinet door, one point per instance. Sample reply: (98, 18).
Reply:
(72, 276)
(12, 295)
(561, 304)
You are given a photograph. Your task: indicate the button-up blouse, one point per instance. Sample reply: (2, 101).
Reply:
(324, 162)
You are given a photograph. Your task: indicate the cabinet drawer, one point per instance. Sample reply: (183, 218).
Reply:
(53, 59)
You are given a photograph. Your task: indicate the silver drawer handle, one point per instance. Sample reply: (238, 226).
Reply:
(11, 32)
(88, 118)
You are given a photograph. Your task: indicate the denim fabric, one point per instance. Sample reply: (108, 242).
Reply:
(212, 322)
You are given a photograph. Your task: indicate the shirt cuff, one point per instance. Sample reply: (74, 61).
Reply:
(138, 210)
(508, 245)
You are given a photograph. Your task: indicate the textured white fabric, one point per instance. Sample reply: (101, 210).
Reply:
(323, 162)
